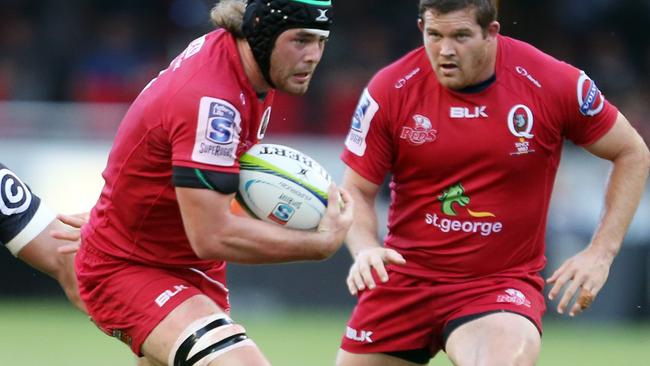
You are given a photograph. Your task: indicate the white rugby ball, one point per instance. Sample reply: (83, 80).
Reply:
(282, 185)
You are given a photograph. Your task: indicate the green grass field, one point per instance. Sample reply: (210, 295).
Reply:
(54, 334)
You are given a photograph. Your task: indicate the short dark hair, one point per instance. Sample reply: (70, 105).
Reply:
(486, 10)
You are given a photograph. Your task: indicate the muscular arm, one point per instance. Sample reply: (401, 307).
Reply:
(214, 232)
(589, 269)
(362, 240)
(42, 254)
(629, 154)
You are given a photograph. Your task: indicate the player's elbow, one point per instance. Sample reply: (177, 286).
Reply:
(639, 155)
(212, 244)
(325, 252)
(205, 247)
(645, 158)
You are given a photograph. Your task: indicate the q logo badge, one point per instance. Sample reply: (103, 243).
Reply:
(520, 121)
(15, 197)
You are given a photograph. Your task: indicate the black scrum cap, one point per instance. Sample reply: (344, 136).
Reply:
(264, 20)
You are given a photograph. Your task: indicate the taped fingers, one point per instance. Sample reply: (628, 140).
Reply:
(206, 339)
(585, 299)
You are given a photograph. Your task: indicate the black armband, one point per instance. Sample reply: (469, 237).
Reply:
(198, 178)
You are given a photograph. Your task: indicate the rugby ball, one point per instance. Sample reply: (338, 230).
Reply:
(282, 185)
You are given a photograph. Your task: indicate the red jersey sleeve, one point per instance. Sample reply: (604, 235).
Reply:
(583, 112)
(368, 146)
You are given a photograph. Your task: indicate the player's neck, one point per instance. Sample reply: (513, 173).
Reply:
(489, 66)
(251, 68)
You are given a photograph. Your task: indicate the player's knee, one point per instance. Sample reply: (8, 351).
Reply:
(206, 339)
(523, 352)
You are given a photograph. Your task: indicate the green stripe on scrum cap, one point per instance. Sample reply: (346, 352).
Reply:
(315, 2)
(254, 163)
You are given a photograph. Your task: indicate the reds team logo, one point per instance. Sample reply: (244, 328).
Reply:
(421, 132)
(515, 297)
(590, 99)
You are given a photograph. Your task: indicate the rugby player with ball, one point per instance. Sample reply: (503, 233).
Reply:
(152, 267)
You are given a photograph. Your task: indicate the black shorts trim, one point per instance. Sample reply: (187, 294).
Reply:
(455, 323)
(420, 356)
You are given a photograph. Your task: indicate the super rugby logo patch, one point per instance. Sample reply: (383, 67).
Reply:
(217, 132)
(14, 195)
(366, 109)
(590, 99)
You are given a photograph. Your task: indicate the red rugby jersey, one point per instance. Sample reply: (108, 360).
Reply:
(201, 112)
(472, 172)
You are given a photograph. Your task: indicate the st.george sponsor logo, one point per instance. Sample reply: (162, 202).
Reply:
(452, 198)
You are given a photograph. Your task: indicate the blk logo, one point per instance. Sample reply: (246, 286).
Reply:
(358, 335)
(168, 294)
(467, 113)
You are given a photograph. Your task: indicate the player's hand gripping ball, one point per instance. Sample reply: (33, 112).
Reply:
(282, 185)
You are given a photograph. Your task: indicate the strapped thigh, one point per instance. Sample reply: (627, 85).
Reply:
(206, 339)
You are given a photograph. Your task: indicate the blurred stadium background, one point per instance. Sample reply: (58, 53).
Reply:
(68, 70)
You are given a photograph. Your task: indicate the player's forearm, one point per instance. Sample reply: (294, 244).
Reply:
(250, 241)
(68, 281)
(624, 191)
(363, 233)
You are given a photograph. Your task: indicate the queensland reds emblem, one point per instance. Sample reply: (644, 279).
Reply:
(14, 195)
(421, 132)
(520, 121)
(590, 99)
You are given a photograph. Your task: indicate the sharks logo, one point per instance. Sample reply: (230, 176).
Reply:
(15, 197)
